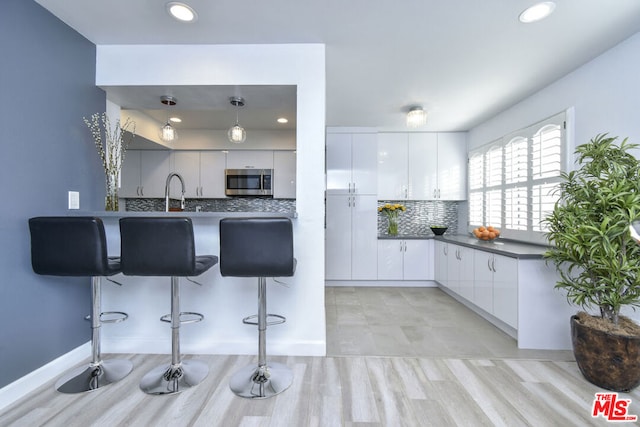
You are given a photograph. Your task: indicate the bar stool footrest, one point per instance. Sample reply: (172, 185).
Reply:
(278, 319)
(105, 317)
(189, 317)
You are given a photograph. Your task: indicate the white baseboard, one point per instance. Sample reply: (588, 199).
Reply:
(25, 385)
(274, 347)
(382, 283)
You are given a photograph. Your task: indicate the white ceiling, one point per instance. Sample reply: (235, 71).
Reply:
(463, 60)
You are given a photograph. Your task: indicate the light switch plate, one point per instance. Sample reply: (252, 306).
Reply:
(74, 200)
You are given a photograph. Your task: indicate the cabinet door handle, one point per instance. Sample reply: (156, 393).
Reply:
(405, 246)
(354, 201)
(349, 188)
(445, 250)
(438, 193)
(349, 201)
(434, 193)
(400, 246)
(489, 263)
(354, 188)
(493, 263)
(142, 191)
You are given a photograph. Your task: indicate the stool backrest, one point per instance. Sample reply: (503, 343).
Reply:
(69, 246)
(156, 246)
(256, 247)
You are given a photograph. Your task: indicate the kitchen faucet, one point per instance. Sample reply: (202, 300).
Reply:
(166, 191)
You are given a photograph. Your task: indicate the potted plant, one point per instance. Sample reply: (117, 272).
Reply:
(598, 261)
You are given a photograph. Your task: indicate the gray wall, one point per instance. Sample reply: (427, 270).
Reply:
(47, 75)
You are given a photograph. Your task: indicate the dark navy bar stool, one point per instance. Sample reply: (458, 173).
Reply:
(165, 246)
(77, 246)
(258, 247)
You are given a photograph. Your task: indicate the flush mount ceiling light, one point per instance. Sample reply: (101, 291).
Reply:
(283, 120)
(167, 132)
(182, 12)
(236, 133)
(416, 117)
(537, 12)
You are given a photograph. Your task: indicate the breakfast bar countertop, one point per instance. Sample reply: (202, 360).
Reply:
(188, 214)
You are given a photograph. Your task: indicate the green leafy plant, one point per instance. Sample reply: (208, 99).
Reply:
(592, 249)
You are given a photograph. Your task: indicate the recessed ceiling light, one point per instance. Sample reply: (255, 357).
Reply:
(175, 119)
(537, 12)
(181, 11)
(283, 120)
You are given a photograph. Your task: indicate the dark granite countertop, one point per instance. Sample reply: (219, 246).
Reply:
(506, 247)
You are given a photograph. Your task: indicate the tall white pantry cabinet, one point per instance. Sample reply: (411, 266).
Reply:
(351, 206)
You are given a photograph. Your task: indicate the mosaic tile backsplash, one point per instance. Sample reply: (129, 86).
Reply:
(234, 204)
(420, 215)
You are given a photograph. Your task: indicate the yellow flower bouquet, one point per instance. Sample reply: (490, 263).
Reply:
(391, 211)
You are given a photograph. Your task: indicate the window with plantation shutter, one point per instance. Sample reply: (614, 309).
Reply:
(512, 181)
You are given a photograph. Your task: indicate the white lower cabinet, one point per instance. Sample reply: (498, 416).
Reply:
(351, 235)
(496, 286)
(483, 297)
(441, 254)
(505, 289)
(459, 272)
(515, 294)
(487, 280)
(405, 259)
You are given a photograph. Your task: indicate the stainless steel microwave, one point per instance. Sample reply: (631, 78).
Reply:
(248, 182)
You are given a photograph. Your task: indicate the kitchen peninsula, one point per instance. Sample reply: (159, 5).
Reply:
(223, 301)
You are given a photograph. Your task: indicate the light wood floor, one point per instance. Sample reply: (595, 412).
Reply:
(414, 363)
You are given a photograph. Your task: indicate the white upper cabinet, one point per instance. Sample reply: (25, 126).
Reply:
(351, 163)
(393, 152)
(250, 159)
(212, 165)
(284, 174)
(144, 173)
(130, 175)
(452, 166)
(422, 166)
(187, 164)
(202, 171)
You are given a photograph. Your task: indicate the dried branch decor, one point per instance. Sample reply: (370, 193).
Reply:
(111, 149)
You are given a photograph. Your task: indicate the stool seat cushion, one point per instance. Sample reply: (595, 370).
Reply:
(70, 246)
(159, 246)
(256, 247)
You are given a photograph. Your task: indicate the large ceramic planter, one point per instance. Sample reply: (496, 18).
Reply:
(606, 360)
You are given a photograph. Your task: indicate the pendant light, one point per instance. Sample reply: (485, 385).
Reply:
(236, 133)
(167, 132)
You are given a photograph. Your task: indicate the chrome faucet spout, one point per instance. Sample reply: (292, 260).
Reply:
(167, 187)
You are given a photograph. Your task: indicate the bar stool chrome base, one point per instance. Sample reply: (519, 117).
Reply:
(174, 378)
(94, 376)
(261, 382)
